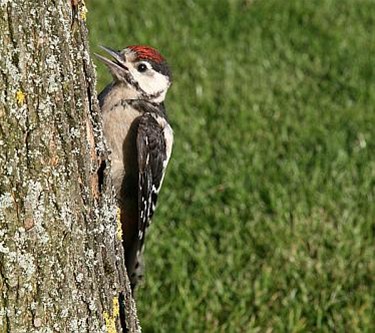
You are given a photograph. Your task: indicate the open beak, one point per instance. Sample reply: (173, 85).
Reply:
(116, 64)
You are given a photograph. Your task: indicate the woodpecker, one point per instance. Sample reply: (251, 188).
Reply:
(140, 140)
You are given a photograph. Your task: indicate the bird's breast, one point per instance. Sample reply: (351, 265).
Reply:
(120, 131)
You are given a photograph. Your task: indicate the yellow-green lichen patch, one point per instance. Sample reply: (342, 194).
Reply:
(20, 97)
(115, 307)
(110, 321)
(119, 226)
(82, 11)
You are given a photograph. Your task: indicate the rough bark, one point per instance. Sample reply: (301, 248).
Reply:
(61, 259)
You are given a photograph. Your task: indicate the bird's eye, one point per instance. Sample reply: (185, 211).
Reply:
(142, 67)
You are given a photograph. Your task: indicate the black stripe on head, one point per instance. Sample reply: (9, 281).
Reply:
(162, 68)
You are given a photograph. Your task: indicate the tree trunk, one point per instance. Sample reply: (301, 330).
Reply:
(61, 259)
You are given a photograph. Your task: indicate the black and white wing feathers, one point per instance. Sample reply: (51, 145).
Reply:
(154, 142)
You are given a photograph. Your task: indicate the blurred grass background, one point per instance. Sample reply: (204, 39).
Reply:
(266, 219)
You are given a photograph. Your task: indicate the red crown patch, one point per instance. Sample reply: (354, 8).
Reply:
(146, 52)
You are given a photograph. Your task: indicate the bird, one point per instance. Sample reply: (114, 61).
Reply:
(140, 140)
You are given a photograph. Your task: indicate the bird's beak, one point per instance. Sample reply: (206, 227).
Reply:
(117, 65)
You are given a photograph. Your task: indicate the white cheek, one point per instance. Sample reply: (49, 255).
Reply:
(152, 84)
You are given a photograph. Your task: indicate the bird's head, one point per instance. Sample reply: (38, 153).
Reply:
(142, 68)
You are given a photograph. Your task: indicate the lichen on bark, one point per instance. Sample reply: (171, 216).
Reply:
(61, 262)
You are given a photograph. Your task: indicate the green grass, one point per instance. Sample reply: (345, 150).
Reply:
(266, 218)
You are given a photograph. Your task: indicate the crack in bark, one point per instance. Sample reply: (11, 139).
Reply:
(121, 299)
(10, 27)
(5, 298)
(101, 174)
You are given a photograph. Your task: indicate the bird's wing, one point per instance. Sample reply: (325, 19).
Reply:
(154, 148)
